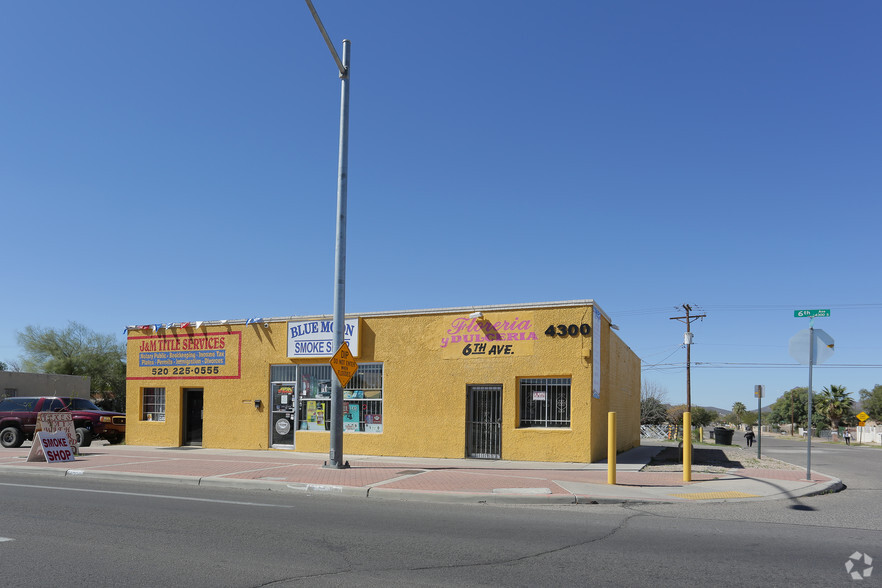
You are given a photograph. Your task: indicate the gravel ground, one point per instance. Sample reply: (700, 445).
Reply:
(714, 459)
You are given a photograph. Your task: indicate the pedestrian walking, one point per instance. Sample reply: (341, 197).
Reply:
(749, 437)
(847, 437)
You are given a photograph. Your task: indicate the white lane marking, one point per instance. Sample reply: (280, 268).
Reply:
(2, 539)
(150, 495)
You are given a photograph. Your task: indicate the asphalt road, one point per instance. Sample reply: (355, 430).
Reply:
(70, 530)
(859, 466)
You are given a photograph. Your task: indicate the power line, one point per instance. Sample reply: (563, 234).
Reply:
(679, 347)
(736, 365)
(752, 308)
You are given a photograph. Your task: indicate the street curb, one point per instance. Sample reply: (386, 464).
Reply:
(833, 486)
(379, 493)
(468, 497)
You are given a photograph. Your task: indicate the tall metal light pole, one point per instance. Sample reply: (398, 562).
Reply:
(336, 450)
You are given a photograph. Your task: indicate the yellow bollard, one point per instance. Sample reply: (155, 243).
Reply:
(687, 446)
(611, 449)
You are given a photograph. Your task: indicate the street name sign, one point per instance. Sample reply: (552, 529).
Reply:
(811, 313)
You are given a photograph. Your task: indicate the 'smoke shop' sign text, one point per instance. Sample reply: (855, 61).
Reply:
(316, 338)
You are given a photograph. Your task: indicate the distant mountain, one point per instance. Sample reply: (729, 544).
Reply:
(724, 412)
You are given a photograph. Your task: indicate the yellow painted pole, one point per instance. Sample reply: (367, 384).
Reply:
(687, 446)
(611, 449)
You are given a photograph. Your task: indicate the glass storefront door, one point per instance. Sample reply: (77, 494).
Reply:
(284, 414)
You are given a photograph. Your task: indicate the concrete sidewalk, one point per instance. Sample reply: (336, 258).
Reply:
(427, 479)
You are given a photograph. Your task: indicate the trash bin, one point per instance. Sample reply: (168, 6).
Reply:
(723, 436)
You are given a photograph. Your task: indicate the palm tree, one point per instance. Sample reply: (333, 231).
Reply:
(834, 403)
(738, 409)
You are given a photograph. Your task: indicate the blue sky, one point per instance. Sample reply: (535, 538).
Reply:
(172, 161)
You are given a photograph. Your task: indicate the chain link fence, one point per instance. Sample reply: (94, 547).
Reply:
(666, 432)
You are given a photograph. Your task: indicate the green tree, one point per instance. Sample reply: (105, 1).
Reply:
(702, 417)
(793, 404)
(796, 400)
(749, 418)
(834, 403)
(653, 410)
(738, 409)
(78, 351)
(2, 367)
(871, 402)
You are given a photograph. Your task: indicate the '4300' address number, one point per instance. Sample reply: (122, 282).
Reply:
(568, 330)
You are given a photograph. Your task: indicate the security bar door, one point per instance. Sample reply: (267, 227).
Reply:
(484, 422)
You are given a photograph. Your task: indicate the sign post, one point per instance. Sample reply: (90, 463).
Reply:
(759, 392)
(862, 420)
(810, 346)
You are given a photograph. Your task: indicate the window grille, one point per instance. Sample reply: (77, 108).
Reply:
(545, 402)
(153, 404)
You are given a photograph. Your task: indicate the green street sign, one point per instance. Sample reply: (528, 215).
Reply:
(811, 313)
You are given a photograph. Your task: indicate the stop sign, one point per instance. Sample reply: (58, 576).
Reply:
(800, 343)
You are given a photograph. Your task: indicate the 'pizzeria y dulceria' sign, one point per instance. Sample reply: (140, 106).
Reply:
(502, 335)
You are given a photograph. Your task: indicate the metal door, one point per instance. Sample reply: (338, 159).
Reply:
(484, 422)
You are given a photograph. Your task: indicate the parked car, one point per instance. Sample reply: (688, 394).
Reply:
(18, 419)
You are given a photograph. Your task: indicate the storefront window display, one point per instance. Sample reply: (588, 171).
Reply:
(301, 400)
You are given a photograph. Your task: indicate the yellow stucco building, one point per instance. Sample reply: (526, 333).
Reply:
(518, 382)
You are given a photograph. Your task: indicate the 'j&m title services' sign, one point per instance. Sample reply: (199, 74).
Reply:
(187, 356)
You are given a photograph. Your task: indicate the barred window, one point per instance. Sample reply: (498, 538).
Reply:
(153, 404)
(545, 402)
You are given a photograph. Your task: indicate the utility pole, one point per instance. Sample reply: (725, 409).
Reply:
(687, 340)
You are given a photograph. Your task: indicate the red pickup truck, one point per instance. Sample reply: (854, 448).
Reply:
(18, 419)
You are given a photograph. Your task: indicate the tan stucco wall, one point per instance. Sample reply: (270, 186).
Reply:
(425, 382)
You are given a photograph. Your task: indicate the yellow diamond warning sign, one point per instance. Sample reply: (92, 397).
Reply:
(344, 364)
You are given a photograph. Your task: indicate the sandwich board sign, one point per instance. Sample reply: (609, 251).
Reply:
(51, 447)
(58, 421)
